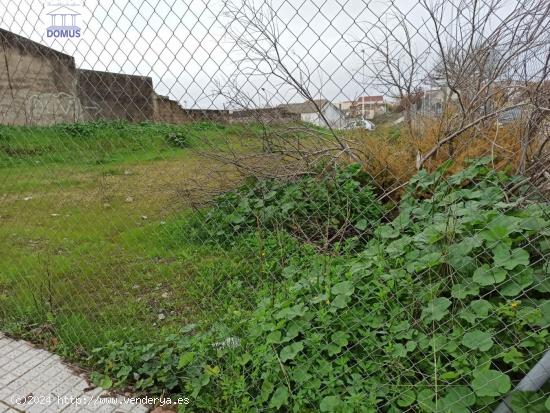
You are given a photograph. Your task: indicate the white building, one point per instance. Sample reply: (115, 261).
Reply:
(346, 106)
(367, 107)
(316, 113)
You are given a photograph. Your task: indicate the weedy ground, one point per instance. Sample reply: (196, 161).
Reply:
(280, 295)
(83, 212)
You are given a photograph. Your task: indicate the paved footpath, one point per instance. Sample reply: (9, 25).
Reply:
(34, 380)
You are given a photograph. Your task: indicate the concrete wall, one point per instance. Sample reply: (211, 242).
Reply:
(212, 115)
(264, 115)
(170, 111)
(113, 96)
(37, 84)
(41, 86)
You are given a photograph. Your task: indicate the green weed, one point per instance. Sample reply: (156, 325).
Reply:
(102, 142)
(289, 296)
(441, 310)
(337, 206)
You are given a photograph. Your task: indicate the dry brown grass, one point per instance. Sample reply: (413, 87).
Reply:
(390, 152)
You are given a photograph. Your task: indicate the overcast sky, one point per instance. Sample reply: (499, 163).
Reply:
(184, 46)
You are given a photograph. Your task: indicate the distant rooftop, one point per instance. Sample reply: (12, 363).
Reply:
(305, 107)
(370, 99)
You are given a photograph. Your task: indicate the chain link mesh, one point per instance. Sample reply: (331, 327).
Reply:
(282, 205)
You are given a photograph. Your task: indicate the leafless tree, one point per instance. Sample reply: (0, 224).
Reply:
(396, 67)
(491, 65)
(488, 57)
(259, 53)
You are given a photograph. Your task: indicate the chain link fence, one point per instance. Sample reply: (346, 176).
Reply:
(302, 206)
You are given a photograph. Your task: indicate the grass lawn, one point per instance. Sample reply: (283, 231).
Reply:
(92, 220)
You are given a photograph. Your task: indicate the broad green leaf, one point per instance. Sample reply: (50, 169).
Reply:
(533, 223)
(517, 283)
(461, 291)
(124, 372)
(270, 195)
(236, 219)
(411, 345)
(530, 315)
(500, 227)
(185, 359)
(485, 275)
(106, 382)
(330, 403)
(478, 340)
(425, 400)
(439, 341)
(212, 370)
(340, 338)
(510, 259)
(400, 326)
(513, 357)
(332, 349)
(481, 307)
(300, 374)
(387, 231)
(406, 398)
(340, 301)
(458, 399)
(290, 271)
(491, 383)
(431, 259)
(274, 337)
(267, 389)
(545, 311)
(465, 246)
(527, 402)
(544, 245)
(425, 261)
(430, 235)
(398, 247)
(279, 398)
(462, 264)
(188, 328)
(468, 315)
(290, 351)
(290, 313)
(361, 225)
(436, 309)
(287, 206)
(402, 220)
(542, 281)
(399, 350)
(477, 309)
(343, 288)
(294, 329)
